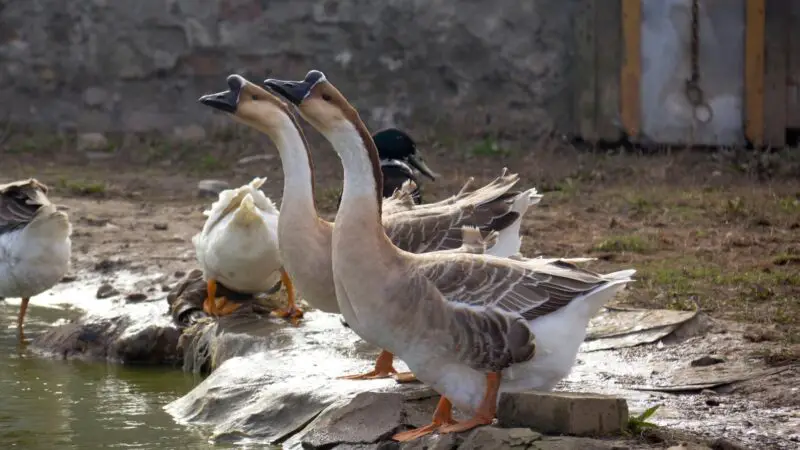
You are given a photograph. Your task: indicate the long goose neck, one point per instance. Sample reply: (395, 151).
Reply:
(362, 195)
(298, 172)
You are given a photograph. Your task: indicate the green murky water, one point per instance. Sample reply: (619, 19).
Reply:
(47, 404)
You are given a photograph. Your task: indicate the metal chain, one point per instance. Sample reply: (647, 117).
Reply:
(695, 48)
(702, 111)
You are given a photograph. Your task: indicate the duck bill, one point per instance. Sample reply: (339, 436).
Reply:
(420, 165)
(293, 91)
(227, 101)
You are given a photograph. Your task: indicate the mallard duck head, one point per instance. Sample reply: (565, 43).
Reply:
(250, 104)
(394, 144)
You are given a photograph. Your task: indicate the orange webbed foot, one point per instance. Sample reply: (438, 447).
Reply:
(383, 369)
(225, 307)
(443, 416)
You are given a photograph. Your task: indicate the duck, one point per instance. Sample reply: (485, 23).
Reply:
(306, 238)
(238, 247)
(468, 325)
(400, 162)
(35, 243)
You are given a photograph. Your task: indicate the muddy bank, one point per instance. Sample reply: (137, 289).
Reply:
(274, 382)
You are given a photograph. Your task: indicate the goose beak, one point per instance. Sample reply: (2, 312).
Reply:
(295, 91)
(419, 164)
(226, 101)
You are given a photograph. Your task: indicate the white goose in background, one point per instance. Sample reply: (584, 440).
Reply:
(468, 325)
(305, 238)
(238, 247)
(35, 246)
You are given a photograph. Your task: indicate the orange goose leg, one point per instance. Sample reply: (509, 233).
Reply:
(291, 311)
(486, 411)
(441, 417)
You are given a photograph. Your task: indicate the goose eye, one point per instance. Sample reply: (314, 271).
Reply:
(326, 97)
(255, 97)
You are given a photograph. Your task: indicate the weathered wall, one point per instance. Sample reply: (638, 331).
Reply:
(96, 65)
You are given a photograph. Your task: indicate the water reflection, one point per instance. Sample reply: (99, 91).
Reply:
(57, 405)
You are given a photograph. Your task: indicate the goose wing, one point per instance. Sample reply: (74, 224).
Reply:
(20, 202)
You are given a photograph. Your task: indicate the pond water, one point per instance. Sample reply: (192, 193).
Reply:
(54, 404)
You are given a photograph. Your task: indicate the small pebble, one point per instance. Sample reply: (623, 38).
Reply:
(712, 402)
(160, 226)
(69, 278)
(707, 361)
(106, 291)
(179, 274)
(136, 297)
(97, 221)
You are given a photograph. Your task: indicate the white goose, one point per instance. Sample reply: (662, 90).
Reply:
(305, 238)
(464, 323)
(238, 247)
(35, 244)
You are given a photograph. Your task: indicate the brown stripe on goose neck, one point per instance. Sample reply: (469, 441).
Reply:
(372, 150)
(306, 148)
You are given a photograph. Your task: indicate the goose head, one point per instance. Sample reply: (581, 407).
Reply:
(250, 104)
(319, 102)
(394, 144)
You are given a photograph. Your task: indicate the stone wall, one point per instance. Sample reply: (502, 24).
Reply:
(100, 65)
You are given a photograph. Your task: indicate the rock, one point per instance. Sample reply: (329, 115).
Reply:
(706, 361)
(211, 188)
(255, 158)
(136, 297)
(96, 221)
(69, 278)
(108, 265)
(725, 444)
(118, 339)
(688, 446)
(179, 274)
(491, 438)
(563, 412)
(574, 443)
(95, 96)
(92, 141)
(106, 291)
(432, 442)
(189, 133)
(160, 226)
(367, 418)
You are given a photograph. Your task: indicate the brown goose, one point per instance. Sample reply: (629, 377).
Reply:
(305, 238)
(464, 323)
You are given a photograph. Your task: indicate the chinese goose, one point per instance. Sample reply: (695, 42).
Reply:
(464, 323)
(306, 238)
(399, 157)
(35, 244)
(238, 247)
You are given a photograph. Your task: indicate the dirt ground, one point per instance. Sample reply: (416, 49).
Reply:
(714, 230)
